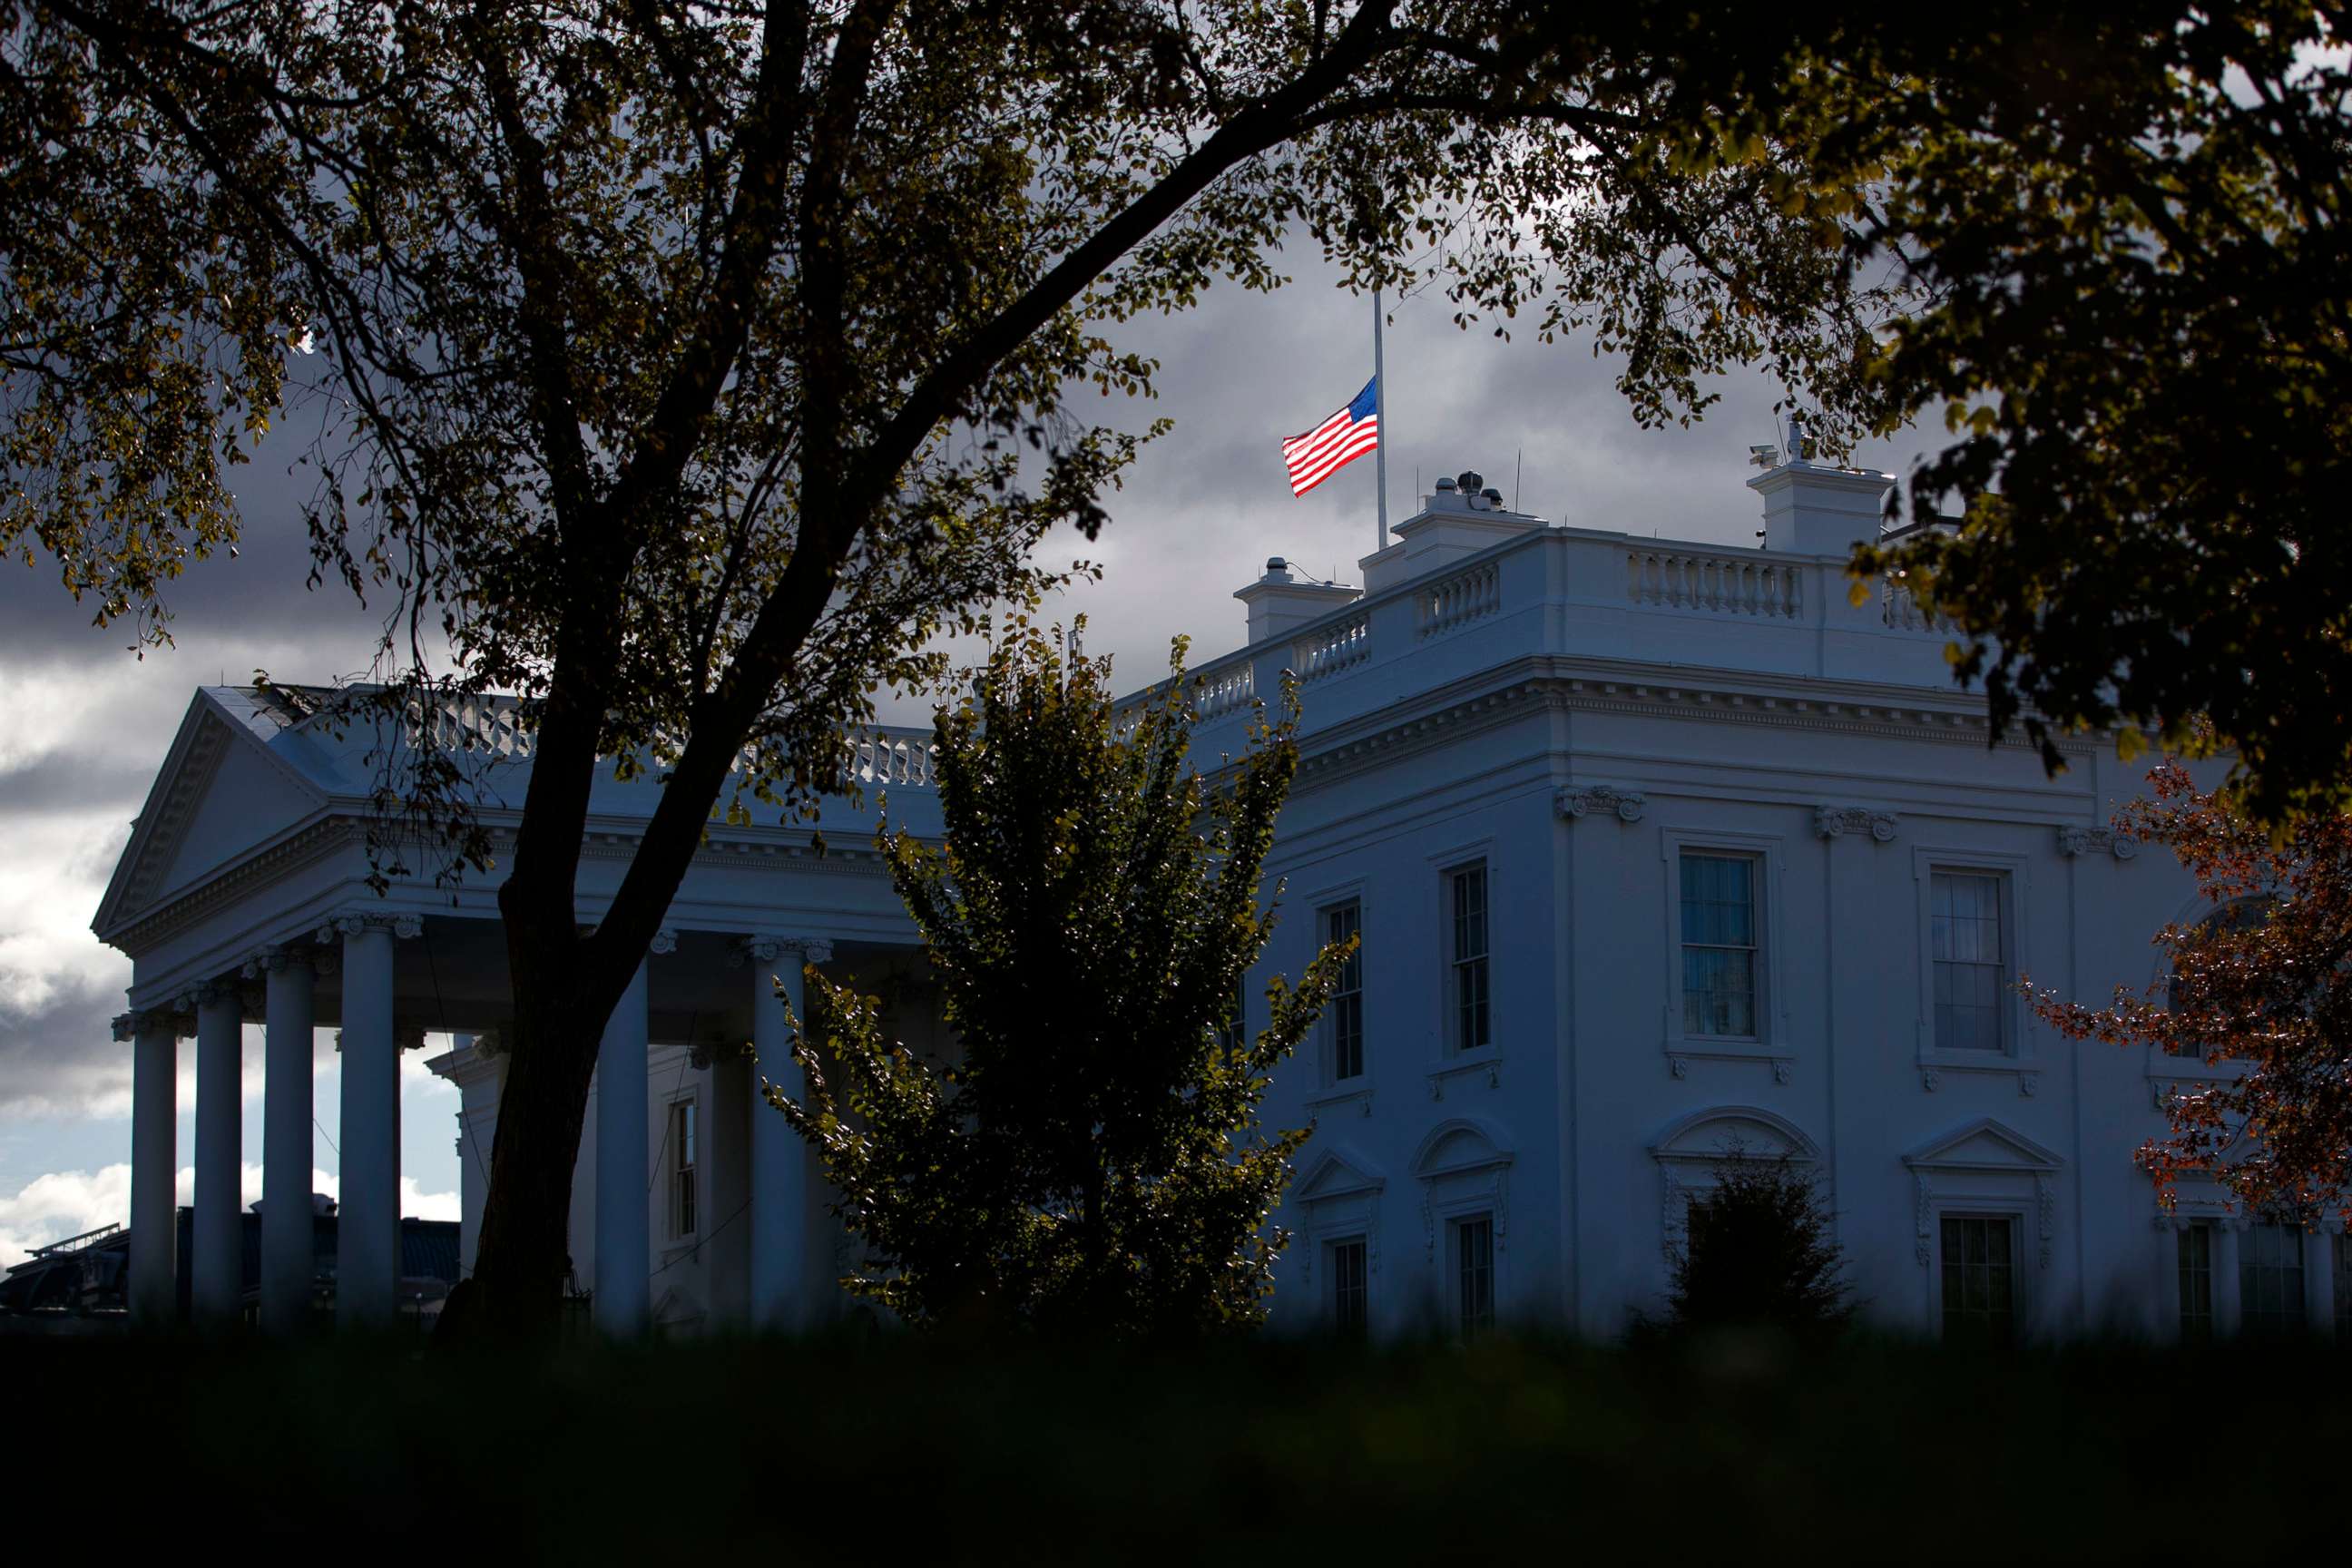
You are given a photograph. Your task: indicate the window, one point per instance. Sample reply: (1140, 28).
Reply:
(1980, 1278)
(2270, 1281)
(2197, 1283)
(1473, 1253)
(1970, 964)
(1350, 1290)
(1472, 1026)
(1233, 1028)
(1719, 916)
(682, 1194)
(1346, 1013)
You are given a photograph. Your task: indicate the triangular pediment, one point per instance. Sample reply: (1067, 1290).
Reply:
(1336, 1172)
(1983, 1145)
(220, 794)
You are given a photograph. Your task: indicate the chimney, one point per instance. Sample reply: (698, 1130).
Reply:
(1462, 516)
(1280, 603)
(1815, 511)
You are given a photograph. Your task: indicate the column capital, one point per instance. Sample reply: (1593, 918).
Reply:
(403, 926)
(768, 947)
(128, 1026)
(273, 959)
(223, 989)
(755, 949)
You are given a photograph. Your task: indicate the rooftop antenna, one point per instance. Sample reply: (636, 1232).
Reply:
(1518, 466)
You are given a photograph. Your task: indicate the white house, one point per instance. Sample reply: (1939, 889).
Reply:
(1655, 849)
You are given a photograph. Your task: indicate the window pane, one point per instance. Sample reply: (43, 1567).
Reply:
(1718, 902)
(1718, 991)
(1474, 1255)
(1980, 1278)
(1345, 1015)
(2270, 1281)
(1349, 1283)
(2197, 1283)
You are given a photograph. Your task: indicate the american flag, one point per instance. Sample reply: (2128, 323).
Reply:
(1323, 450)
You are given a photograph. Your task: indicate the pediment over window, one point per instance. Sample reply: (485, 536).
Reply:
(1706, 1136)
(1463, 1144)
(1335, 1172)
(1983, 1145)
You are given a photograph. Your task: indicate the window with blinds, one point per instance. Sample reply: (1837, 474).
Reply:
(1719, 943)
(1970, 960)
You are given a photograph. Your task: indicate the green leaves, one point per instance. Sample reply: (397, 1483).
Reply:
(1087, 1157)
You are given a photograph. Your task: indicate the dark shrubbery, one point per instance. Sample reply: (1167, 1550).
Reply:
(1760, 1253)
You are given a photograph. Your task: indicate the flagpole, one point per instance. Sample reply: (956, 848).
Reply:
(1380, 413)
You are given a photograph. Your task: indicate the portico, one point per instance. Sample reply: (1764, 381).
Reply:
(244, 899)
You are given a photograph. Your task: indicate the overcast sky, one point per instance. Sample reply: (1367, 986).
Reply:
(88, 724)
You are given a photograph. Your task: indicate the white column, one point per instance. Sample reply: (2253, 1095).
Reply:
(783, 1263)
(624, 1216)
(217, 1272)
(367, 1222)
(2229, 1308)
(728, 1142)
(155, 1228)
(287, 1262)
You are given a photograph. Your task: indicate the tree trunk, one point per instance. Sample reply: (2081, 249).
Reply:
(523, 1253)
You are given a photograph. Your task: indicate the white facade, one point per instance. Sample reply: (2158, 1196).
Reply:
(1655, 849)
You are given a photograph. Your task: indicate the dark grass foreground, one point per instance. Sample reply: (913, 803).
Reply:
(894, 1449)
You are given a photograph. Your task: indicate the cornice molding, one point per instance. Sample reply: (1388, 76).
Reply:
(1446, 713)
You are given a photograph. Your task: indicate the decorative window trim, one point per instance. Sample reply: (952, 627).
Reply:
(1338, 1198)
(1984, 1168)
(1686, 1163)
(1771, 1042)
(1479, 853)
(2019, 1060)
(1329, 1087)
(1464, 1166)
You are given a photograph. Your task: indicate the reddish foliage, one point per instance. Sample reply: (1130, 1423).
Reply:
(2260, 993)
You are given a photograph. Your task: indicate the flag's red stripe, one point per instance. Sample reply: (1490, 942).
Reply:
(1311, 450)
(1297, 447)
(1315, 471)
(1311, 469)
(1308, 476)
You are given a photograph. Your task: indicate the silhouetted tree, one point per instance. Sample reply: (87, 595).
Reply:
(1759, 1250)
(1091, 1161)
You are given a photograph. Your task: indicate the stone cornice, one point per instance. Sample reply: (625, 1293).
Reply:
(1443, 714)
